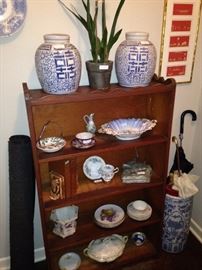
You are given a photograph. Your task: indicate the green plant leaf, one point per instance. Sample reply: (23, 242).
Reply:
(100, 47)
(111, 37)
(113, 40)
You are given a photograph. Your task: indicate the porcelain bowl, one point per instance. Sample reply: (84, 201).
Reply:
(127, 128)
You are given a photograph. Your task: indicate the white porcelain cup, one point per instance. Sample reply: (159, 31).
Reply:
(107, 171)
(84, 138)
(139, 205)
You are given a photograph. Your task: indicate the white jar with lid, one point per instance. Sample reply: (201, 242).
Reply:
(135, 60)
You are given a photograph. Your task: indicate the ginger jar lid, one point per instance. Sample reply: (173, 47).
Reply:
(137, 36)
(56, 38)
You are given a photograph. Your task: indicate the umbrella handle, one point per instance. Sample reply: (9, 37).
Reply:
(194, 117)
(174, 139)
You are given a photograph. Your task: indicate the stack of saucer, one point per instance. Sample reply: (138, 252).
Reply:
(139, 210)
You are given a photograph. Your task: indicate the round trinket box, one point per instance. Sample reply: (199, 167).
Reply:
(138, 238)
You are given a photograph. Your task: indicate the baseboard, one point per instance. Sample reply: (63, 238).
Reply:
(38, 253)
(5, 263)
(196, 230)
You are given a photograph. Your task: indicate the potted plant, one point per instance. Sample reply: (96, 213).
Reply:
(100, 67)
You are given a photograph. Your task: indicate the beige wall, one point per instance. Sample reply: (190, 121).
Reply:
(17, 65)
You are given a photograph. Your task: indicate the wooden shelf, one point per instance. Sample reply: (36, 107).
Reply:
(86, 231)
(140, 253)
(104, 143)
(156, 101)
(102, 189)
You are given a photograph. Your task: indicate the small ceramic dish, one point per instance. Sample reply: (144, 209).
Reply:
(92, 166)
(69, 261)
(109, 216)
(51, 144)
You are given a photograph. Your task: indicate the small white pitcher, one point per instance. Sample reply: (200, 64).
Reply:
(90, 125)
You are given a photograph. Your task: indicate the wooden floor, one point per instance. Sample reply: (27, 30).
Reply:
(189, 259)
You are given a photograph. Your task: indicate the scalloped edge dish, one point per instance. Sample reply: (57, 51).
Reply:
(51, 144)
(127, 128)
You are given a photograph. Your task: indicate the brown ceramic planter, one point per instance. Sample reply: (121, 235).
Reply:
(99, 74)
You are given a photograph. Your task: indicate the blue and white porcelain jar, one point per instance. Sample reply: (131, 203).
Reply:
(58, 64)
(135, 60)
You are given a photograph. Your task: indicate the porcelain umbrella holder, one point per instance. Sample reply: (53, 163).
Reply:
(176, 223)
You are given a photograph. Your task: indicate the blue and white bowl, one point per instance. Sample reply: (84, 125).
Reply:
(128, 128)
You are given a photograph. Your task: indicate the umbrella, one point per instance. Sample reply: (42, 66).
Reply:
(180, 162)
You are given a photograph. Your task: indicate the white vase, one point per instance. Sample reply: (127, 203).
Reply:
(58, 64)
(135, 60)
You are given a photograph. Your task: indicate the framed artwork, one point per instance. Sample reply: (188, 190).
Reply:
(179, 37)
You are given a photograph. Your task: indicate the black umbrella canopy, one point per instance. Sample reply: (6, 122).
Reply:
(181, 164)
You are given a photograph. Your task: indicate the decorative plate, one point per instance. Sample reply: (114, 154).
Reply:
(12, 15)
(51, 144)
(109, 216)
(91, 167)
(127, 128)
(69, 261)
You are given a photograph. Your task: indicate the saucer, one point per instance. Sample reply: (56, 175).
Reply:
(78, 145)
(109, 216)
(91, 167)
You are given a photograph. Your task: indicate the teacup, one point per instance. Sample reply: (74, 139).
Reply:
(139, 205)
(85, 138)
(107, 172)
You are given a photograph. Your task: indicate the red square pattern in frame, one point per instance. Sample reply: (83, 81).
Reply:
(176, 71)
(177, 56)
(182, 9)
(179, 41)
(184, 25)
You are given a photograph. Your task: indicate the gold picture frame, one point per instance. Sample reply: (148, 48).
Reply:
(180, 28)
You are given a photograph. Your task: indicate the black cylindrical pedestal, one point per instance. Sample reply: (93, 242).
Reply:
(22, 197)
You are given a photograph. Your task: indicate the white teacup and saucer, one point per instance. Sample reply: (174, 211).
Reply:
(108, 171)
(83, 140)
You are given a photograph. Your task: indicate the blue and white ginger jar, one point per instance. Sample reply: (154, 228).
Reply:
(58, 64)
(135, 60)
